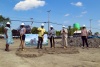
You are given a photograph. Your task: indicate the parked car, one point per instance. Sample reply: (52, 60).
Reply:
(93, 36)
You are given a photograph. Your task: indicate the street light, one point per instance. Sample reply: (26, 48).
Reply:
(49, 19)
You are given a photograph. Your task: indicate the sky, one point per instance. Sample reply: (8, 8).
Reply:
(65, 12)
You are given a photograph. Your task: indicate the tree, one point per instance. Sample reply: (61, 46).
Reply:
(96, 33)
(58, 33)
(3, 21)
(34, 30)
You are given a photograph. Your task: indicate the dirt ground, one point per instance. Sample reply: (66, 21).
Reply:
(85, 58)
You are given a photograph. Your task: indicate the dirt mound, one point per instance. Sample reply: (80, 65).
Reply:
(32, 52)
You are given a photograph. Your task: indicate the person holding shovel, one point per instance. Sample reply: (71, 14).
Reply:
(8, 36)
(51, 35)
(41, 32)
(64, 33)
(22, 36)
(84, 35)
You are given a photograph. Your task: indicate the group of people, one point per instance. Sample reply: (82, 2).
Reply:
(41, 32)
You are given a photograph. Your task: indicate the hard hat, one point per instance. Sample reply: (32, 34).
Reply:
(51, 26)
(63, 26)
(22, 24)
(83, 25)
(8, 23)
(42, 24)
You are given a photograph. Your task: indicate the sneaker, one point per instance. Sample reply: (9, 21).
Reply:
(64, 47)
(82, 47)
(23, 49)
(52, 47)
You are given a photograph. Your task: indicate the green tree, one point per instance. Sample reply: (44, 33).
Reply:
(3, 21)
(58, 33)
(34, 30)
(96, 33)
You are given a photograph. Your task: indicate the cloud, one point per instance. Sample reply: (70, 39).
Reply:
(67, 15)
(99, 21)
(29, 4)
(84, 12)
(79, 16)
(78, 4)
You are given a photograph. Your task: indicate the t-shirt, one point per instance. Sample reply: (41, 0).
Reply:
(22, 31)
(51, 33)
(41, 32)
(84, 32)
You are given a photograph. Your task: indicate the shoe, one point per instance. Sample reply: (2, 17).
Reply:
(5, 49)
(41, 48)
(37, 48)
(23, 49)
(52, 47)
(87, 47)
(64, 47)
(82, 47)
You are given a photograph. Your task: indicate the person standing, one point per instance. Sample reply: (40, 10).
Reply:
(8, 36)
(84, 35)
(51, 35)
(41, 32)
(22, 35)
(64, 33)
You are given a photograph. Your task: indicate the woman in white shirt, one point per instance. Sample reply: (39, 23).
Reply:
(22, 36)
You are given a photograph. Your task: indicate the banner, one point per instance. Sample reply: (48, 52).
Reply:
(32, 40)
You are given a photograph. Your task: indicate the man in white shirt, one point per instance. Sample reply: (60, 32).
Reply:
(51, 35)
(64, 33)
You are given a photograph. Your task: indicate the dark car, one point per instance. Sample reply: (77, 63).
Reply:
(93, 36)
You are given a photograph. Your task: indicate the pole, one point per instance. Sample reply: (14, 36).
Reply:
(90, 25)
(49, 19)
(31, 23)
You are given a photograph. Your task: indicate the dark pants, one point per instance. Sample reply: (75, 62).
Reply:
(22, 37)
(84, 40)
(52, 42)
(40, 41)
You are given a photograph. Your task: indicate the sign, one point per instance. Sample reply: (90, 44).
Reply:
(32, 40)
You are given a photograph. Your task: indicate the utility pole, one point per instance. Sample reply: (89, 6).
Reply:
(49, 19)
(90, 26)
(31, 21)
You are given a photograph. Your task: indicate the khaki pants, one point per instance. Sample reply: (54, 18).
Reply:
(64, 41)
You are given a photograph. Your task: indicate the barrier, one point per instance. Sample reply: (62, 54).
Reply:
(32, 40)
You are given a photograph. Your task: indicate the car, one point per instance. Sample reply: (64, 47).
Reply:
(93, 36)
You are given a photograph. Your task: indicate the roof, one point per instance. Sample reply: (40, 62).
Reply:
(79, 31)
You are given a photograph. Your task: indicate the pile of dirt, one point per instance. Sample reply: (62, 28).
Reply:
(33, 52)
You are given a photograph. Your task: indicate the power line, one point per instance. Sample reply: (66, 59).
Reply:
(47, 22)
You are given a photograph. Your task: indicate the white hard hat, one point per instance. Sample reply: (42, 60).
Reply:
(83, 25)
(8, 23)
(22, 24)
(51, 26)
(42, 24)
(63, 26)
